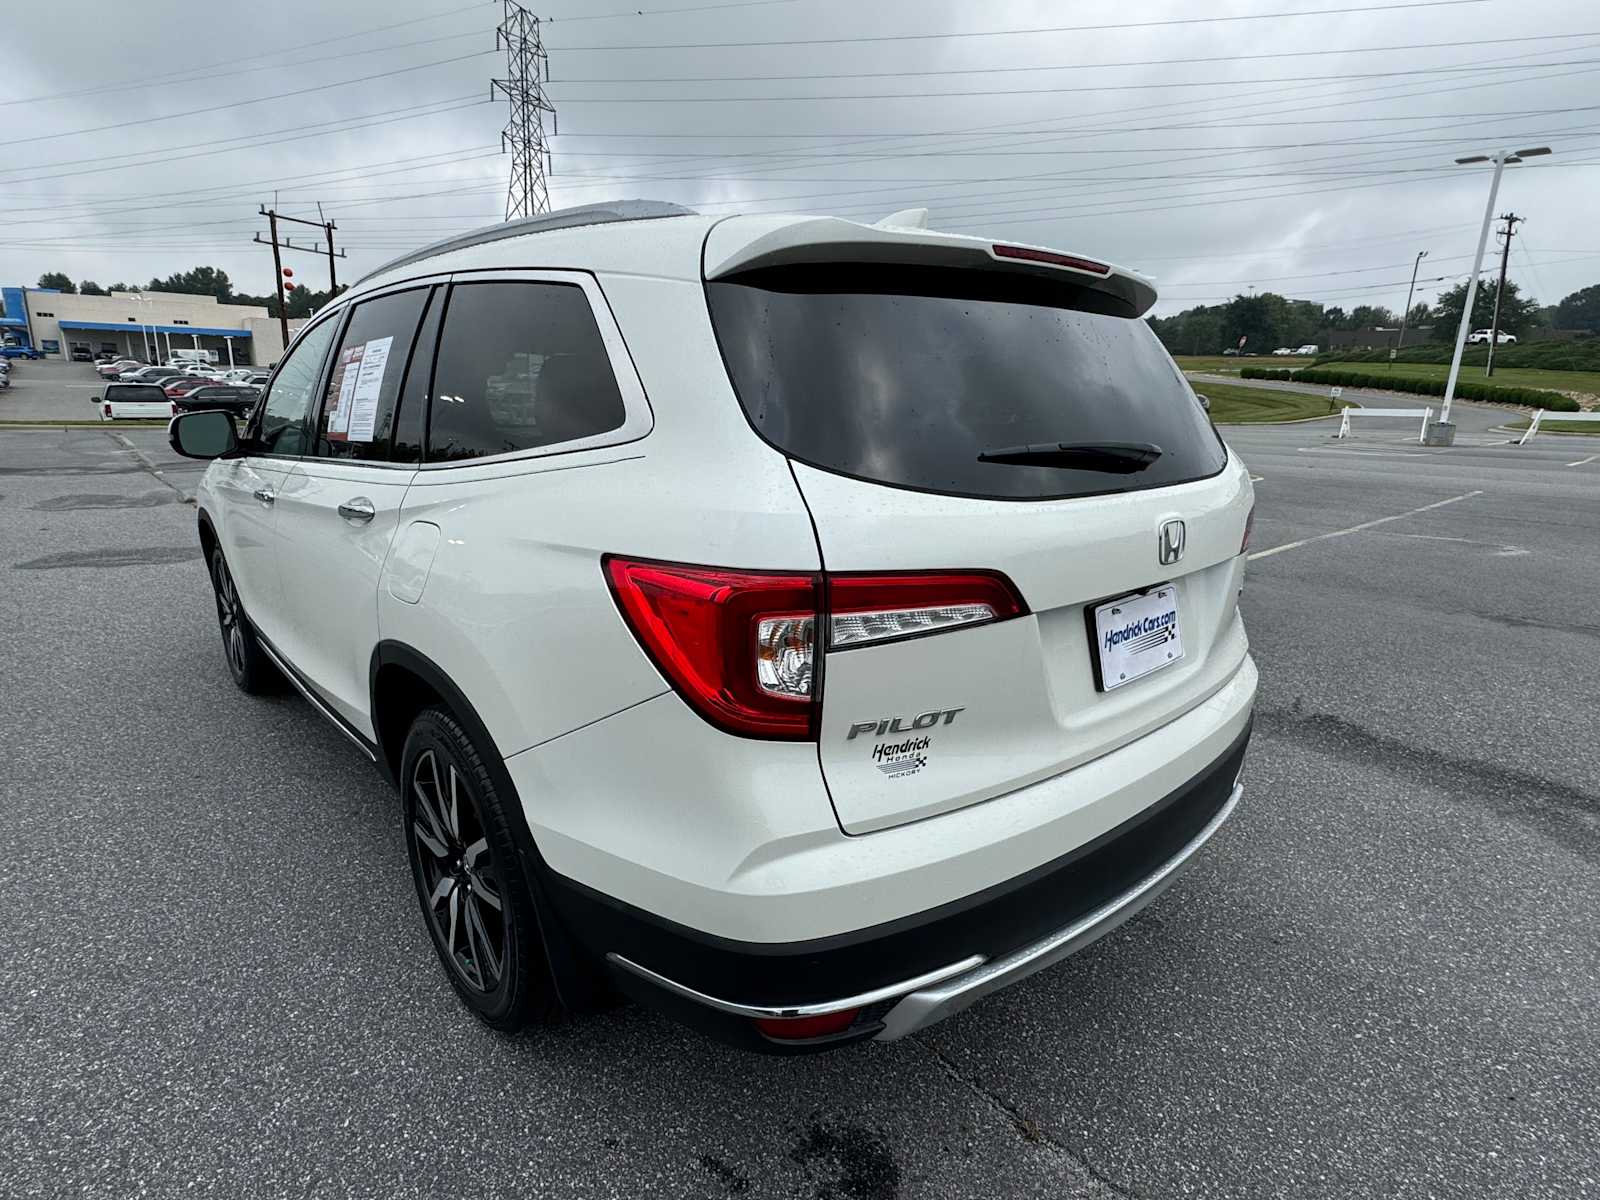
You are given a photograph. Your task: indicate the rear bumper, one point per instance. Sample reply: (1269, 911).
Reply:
(907, 974)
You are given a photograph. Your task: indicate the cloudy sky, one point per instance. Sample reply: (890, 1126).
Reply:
(1299, 146)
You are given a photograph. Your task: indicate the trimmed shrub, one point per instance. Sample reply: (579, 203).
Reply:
(1465, 389)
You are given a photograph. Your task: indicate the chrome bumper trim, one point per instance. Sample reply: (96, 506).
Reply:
(822, 1008)
(928, 1004)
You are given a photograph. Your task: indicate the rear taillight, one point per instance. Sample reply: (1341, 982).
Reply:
(866, 609)
(108, 410)
(1249, 523)
(741, 646)
(174, 409)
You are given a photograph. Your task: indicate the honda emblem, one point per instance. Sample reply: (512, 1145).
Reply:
(1172, 538)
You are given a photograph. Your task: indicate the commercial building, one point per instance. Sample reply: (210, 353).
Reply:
(146, 326)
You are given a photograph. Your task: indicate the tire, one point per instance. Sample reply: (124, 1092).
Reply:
(247, 662)
(470, 878)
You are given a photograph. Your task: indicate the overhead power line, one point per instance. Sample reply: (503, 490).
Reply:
(167, 81)
(1147, 85)
(662, 12)
(233, 63)
(976, 33)
(1082, 66)
(194, 112)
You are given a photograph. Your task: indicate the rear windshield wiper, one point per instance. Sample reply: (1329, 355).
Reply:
(1117, 458)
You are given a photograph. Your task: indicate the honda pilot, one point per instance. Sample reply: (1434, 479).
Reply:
(801, 626)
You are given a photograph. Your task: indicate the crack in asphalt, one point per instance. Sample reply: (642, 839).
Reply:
(1028, 1128)
(148, 465)
(1567, 815)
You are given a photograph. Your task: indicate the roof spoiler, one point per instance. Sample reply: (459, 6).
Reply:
(740, 244)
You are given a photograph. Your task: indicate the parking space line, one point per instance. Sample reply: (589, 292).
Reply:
(1581, 461)
(1321, 537)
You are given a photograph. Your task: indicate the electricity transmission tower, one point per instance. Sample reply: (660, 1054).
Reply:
(527, 69)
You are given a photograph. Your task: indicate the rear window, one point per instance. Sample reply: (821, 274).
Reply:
(904, 376)
(130, 393)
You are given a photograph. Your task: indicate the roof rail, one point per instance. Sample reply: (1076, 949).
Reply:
(561, 218)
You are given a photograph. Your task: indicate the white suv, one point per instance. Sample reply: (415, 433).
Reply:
(806, 627)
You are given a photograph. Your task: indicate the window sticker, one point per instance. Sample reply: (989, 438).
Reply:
(361, 414)
(344, 384)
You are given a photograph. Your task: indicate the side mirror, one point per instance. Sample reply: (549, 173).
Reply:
(205, 434)
(1205, 400)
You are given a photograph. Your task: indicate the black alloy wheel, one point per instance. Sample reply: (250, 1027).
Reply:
(457, 873)
(247, 662)
(459, 817)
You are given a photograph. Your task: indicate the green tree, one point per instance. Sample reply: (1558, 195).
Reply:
(1581, 310)
(197, 281)
(1516, 312)
(90, 288)
(58, 281)
(1263, 321)
(1367, 316)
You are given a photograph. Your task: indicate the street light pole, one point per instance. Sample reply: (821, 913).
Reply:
(1405, 313)
(1445, 434)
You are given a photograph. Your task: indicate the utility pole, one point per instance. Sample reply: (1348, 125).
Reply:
(1511, 220)
(327, 228)
(277, 273)
(1405, 313)
(527, 71)
(273, 216)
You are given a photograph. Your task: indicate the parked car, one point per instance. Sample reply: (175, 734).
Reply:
(687, 595)
(258, 379)
(185, 383)
(149, 375)
(135, 401)
(19, 351)
(81, 354)
(117, 366)
(1281, 351)
(237, 374)
(236, 399)
(1485, 336)
(1309, 348)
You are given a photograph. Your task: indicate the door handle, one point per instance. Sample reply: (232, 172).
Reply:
(358, 511)
(265, 494)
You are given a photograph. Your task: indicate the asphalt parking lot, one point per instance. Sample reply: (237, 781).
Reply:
(1380, 979)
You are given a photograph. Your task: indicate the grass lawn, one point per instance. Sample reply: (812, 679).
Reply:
(1556, 381)
(1589, 428)
(1215, 364)
(1231, 405)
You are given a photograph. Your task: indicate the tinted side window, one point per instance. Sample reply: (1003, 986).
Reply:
(520, 365)
(286, 415)
(359, 407)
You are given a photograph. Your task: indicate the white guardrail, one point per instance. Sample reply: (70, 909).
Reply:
(1408, 413)
(1533, 425)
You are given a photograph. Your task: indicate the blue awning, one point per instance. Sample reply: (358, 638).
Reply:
(134, 327)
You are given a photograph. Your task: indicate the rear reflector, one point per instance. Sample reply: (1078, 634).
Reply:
(1051, 258)
(790, 1029)
(741, 647)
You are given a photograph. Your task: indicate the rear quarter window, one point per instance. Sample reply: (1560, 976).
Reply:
(905, 376)
(521, 365)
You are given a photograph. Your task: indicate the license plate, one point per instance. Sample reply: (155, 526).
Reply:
(1136, 635)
